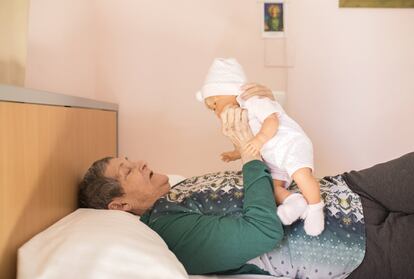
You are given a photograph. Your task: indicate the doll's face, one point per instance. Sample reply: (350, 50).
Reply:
(218, 103)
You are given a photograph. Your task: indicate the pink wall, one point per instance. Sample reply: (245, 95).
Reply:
(153, 57)
(352, 87)
(62, 47)
(150, 57)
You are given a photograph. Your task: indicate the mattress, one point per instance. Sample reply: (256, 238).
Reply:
(243, 276)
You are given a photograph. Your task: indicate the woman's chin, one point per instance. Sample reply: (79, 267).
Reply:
(166, 182)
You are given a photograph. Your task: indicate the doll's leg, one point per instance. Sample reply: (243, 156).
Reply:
(290, 205)
(280, 191)
(307, 185)
(314, 216)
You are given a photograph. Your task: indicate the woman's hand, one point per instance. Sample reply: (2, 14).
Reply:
(235, 126)
(255, 89)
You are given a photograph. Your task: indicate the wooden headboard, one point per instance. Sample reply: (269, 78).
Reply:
(47, 141)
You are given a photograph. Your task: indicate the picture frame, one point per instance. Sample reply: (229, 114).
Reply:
(376, 3)
(274, 18)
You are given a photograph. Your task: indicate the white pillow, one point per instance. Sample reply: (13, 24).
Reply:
(175, 178)
(101, 244)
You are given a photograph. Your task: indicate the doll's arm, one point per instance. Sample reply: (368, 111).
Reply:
(269, 128)
(267, 131)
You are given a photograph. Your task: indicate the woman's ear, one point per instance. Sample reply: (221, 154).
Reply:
(117, 204)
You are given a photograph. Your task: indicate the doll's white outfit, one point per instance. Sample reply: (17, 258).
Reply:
(290, 149)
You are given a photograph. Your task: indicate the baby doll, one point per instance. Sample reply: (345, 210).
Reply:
(283, 144)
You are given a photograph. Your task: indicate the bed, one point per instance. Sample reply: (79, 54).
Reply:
(47, 141)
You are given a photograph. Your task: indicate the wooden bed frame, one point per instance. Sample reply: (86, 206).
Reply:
(47, 142)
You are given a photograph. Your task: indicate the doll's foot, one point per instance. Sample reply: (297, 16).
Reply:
(314, 219)
(292, 208)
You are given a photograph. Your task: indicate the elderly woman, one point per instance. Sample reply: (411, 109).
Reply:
(226, 223)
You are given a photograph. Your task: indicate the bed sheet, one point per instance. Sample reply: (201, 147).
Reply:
(242, 276)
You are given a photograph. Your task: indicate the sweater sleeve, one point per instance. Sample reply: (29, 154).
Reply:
(213, 244)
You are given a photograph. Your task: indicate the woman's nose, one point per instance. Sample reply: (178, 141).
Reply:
(142, 165)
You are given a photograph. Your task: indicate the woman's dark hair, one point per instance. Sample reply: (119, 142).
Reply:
(96, 190)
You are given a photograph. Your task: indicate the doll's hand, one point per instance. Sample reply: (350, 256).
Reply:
(254, 146)
(230, 156)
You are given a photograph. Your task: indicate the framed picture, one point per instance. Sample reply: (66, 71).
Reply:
(377, 3)
(274, 15)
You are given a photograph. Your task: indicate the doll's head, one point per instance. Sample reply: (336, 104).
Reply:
(222, 85)
(220, 102)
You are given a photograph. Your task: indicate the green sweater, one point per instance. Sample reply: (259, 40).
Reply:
(211, 229)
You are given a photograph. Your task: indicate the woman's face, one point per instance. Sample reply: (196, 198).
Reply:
(142, 186)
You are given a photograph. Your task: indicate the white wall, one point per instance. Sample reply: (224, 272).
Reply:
(150, 57)
(153, 57)
(13, 41)
(61, 47)
(352, 87)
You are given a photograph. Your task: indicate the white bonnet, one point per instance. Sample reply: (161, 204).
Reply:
(225, 77)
